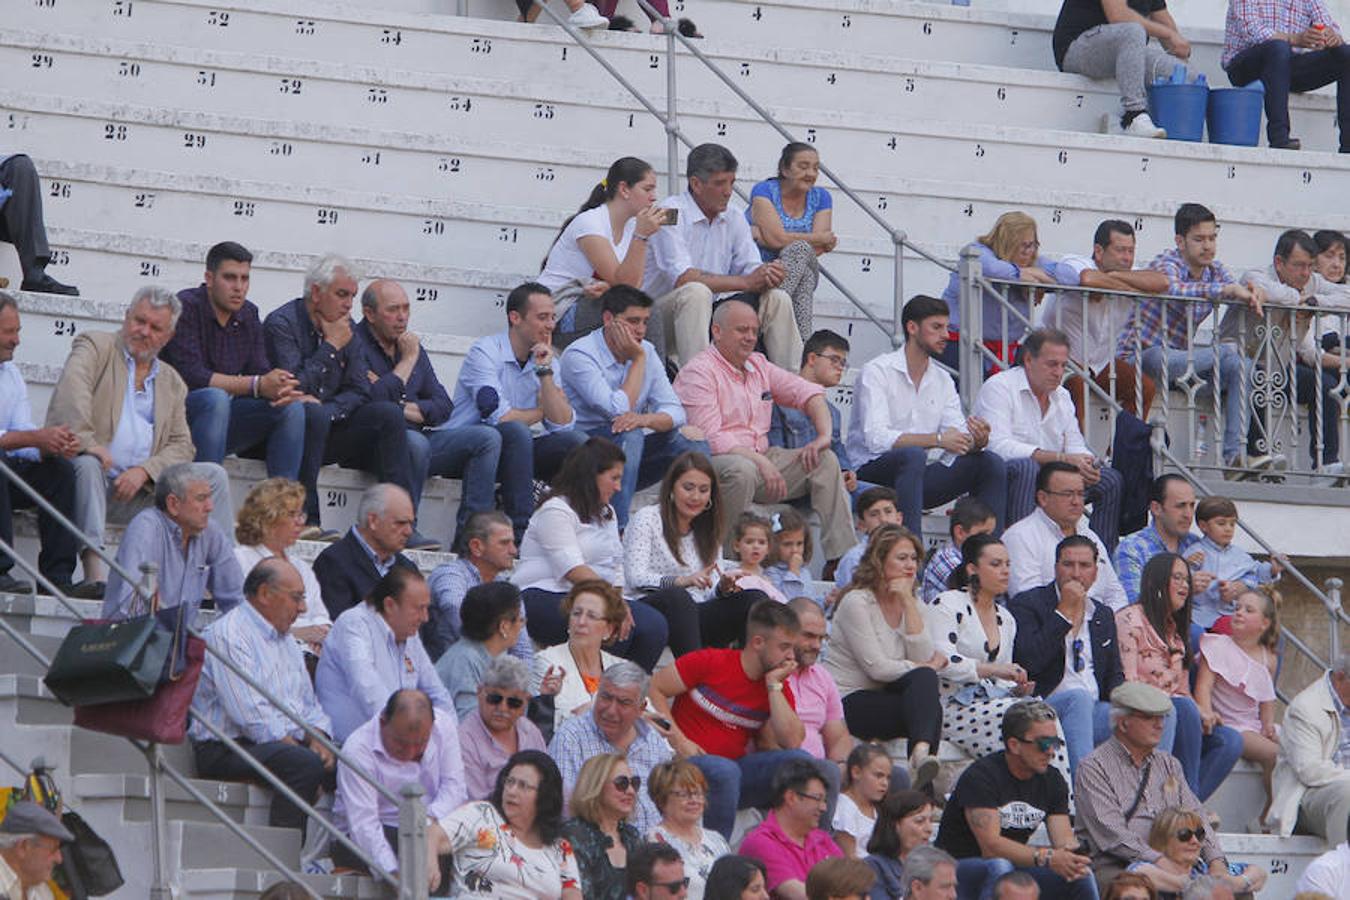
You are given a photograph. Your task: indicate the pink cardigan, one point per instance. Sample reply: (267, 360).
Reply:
(1146, 657)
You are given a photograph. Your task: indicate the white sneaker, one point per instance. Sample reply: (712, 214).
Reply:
(1329, 474)
(1142, 126)
(587, 17)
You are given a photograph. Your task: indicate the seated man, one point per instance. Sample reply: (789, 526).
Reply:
(1295, 46)
(498, 729)
(729, 390)
(21, 224)
(1002, 798)
(908, 431)
(619, 390)
(1329, 874)
(127, 412)
(373, 650)
(928, 874)
(1126, 782)
(824, 360)
(1311, 785)
(30, 848)
(615, 724)
(709, 252)
(255, 636)
(489, 552)
(1171, 506)
(237, 402)
(655, 872)
(179, 538)
(507, 381)
(1032, 422)
(1032, 542)
(790, 840)
(818, 703)
(313, 337)
(406, 743)
(969, 516)
(41, 457)
(1066, 641)
(348, 569)
(400, 372)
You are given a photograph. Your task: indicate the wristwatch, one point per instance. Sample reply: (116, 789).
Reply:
(541, 371)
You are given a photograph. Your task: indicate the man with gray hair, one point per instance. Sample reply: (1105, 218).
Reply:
(313, 337)
(127, 412)
(189, 550)
(709, 252)
(614, 724)
(30, 848)
(1311, 785)
(400, 371)
(499, 728)
(488, 553)
(348, 569)
(930, 874)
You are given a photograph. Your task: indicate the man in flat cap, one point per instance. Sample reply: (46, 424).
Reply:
(30, 847)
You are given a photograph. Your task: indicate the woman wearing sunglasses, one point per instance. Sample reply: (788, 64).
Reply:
(499, 729)
(1178, 835)
(491, 620)
(604, 797)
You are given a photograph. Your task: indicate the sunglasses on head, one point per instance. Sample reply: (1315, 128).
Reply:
(1185, 834)
(624, 782)
(495, 699)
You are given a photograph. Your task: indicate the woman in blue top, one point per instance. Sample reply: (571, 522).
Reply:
(1011, 251)
(790, 218)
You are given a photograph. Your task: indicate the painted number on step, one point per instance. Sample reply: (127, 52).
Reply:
(1279, 866)
(41, 61)
(461, 104)
(149, 269)
(194, 141)
(1057, 216)
(1078, 101)
(757, 14)
(129, 69)
(1012, 37)
(391, 37)
(1001, 93)
(1138, 223)
(304, 27)
(16, 122)
(280, 148)
(206, 78)
(427, 294)
(810, 135)
(508, 235)
(847, 22)
(909, 85)
(1143, 164)
(58, 189)
(481, 46)
(433, 227)
(244, 208)
(979, 150)
(218, 18)
(831, 78)
(893, 142)
(59, 258)
(882, 203)
(44, 4)
(370, 158)
(63, 328)
(449, 164)
(745, 70)
(544, 173)
(544, 111)
(1063, 157)
(326, 216)
(290, 86)
(653, 61)
(721, 129)
(866, 263)
(927, 27)
(336, 500)
(377, 95)
(968, 210)
(144, 201)
(1232, 171)
(1306, 177)
(121, 8)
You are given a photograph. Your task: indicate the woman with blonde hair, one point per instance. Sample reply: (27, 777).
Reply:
(604, 797)
(680, 792)
(594, 611)
(268, 524)
(1010, 251)
(1179, 835)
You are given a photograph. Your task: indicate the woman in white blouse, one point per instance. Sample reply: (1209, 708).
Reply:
(881, 656)
(595, 612)
(269, 524)
(672, 559)
(574, 536)
(971, 627)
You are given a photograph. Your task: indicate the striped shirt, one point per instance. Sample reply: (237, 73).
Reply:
(273, 660)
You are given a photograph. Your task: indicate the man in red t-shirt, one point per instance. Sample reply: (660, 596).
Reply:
(732, 715)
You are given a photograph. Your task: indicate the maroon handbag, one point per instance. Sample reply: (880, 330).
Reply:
(161, 717)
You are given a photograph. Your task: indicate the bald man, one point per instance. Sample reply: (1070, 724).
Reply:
(400, 371)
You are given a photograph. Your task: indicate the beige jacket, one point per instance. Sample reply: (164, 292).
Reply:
(1308, 740)
(88, 400)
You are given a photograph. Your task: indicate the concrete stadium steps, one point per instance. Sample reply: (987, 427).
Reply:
(235, 883)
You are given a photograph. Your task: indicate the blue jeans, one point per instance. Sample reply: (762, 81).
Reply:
(524, 458)
(975, 877)
(1234, 376)
(1086, 722)
(920, 484)
(1205, 758)
(741, 783)
(1281, 70)
(469, 453)
(647, 457)
(221, 424)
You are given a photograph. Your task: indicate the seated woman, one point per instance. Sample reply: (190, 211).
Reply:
(1178, 835)
(491, 625)
(511, 846)
(904, 821)
(1152, 635)
(680, 792)
(1010, 251)
(881, 656)
(790, 218)
(574, 536)
(974, 632)
(268, 524)
(594, 612)
(498, 729)
(604, 797)
(672, 559)
(867, 778)
(737, 878)
(602, 244)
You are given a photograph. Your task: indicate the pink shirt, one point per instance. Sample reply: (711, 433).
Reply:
(784, 858)
(818, 704)
(733, 407)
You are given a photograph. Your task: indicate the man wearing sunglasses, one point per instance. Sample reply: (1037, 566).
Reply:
(1001, 799)
(656, 872)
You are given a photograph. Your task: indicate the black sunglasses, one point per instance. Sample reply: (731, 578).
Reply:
(1078, 662)
(624, 782)
(1185, 834)
(511, 702)
(673, 887)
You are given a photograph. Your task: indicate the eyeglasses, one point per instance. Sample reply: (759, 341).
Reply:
(819, 799)
(673, 887)
(1181, 577)
(835, 359)
(1185, 834)
(1079, 664)
(512, 781)
(578, 613)
(1044, 744)
(1068, 495)
(689, 794)
(1030, 245)
(495, 699)
(624, 782)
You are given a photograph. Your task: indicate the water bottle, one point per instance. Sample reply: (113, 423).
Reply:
(1200, 446)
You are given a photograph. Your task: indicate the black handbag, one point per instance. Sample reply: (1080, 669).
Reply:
(90, 866)
(107, 662)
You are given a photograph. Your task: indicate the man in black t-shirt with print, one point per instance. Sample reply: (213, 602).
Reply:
(1102, 38)
(1001, 800)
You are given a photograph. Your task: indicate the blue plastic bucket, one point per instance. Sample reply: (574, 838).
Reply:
(1180, 108)
(1234, 115)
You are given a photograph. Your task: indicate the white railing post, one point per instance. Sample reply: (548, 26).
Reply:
(970, 306)
(672, 126)
(412, 844)
(898, 333)
(1333, 601)
(159, 844)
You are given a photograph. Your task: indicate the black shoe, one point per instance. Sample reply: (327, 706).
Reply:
(1292, 143)
(85, 590)
(11, 585)
(43, 283)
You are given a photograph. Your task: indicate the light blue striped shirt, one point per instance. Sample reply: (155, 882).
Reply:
(16, 413)
(275, 661)
(593, 380)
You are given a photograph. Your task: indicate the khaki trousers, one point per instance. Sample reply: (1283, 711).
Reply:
(681, 319)
(1324, 810)
(740, 483)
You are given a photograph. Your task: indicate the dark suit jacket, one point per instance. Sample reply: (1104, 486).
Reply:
(346, 573)
(1039, 645)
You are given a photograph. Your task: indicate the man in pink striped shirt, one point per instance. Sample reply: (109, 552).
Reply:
(729, 391)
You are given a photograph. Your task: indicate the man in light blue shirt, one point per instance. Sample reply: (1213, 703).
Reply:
(618, 390)
(489, 554)
(373, 650)
(508, 381)
(1171, 513)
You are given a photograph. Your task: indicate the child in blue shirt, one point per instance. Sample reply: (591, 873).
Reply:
(789, 555)
(873, 508)
(1233, 568)
(824, 359)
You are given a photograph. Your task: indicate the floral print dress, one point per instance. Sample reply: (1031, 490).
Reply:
(492, 861)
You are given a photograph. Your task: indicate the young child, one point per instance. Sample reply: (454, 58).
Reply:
(789, 554)
(1235, 681)
(750, 541)
(1232, 567)
(824, 359)
(873, 508)
(969, 515)
(867, 778)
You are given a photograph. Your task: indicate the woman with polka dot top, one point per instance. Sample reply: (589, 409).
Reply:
(974, 631)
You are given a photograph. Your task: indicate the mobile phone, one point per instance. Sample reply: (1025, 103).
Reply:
(664, 723)
(670, 215)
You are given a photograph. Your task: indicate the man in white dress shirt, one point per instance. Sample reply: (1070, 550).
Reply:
(706, 254)
(1032, 422)
(908, 425)
(1059, 513)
